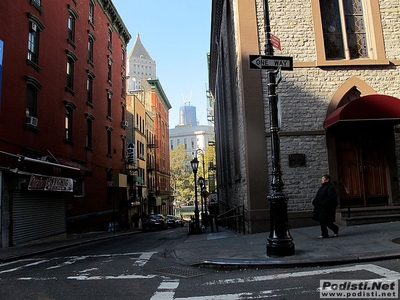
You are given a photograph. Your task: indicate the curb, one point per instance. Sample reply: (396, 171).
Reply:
(240, 263)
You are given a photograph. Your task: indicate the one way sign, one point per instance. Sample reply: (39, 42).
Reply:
(271, 62)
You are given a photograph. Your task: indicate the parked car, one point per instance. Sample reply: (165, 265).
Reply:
(155, 221)
(180, 222)
(171, 221)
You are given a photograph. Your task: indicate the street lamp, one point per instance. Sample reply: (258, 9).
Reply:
(201, 182)
(195, 165)
(279, 242)
(201, 151)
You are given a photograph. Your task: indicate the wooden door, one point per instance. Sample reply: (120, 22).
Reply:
(362, 171)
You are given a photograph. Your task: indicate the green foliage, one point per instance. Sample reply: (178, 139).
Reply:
(182, 178)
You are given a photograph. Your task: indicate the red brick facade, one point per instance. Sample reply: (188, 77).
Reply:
(98, 153)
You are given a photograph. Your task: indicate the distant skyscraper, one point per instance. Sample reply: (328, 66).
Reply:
(187, 115)
(140, 65)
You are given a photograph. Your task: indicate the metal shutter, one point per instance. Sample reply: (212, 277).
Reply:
(37, 215)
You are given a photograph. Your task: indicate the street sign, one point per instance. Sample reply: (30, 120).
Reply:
(130, 154)
(271, 62)
(278, 77)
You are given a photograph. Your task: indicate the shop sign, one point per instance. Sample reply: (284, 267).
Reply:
(213, 198)
(130, 154)
(53, 184)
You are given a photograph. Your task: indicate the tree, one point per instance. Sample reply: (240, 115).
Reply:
(182, 178)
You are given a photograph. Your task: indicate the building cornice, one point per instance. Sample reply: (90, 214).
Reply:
(155, 83)
(113, 15)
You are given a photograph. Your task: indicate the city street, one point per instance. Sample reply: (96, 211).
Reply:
(140, 266)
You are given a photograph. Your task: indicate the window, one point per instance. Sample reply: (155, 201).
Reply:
(89, 88)
(109, 146)
(140, 150)
(348, 32)
(70, 73)
(123, 54)
(38, 5)
(90, 49)
(35, 27)
(33, 43)
(123, 147)
(91, 13)
(89, 132)
(71, 28)
(110, 38)
(123, 112)
(109, 69)
(31, 101)
(33, 86)
(109, 106)
(68, 124)
(72, 16)
(71, 58)
(69, 113)
(123, 84)
(79, 187)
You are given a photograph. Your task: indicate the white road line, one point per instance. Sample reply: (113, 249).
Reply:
(369, 267)
(166, 290)
(134, 276)
(69, 262)
(24, 266)
(143, 259)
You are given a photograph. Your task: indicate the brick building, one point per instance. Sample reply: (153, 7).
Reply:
(339, 107)
(62, 118)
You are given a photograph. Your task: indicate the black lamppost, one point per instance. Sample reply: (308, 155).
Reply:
(279, 242)
(195, 165)
(201, 184)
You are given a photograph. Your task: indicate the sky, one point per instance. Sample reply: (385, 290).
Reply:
(176, 34)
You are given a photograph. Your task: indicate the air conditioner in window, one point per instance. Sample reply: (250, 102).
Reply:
(32, 121)
(124, 124)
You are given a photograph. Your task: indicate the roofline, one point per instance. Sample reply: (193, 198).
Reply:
(115, 19)
(157, 85)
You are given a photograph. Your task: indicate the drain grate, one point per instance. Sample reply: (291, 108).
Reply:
(180, 272)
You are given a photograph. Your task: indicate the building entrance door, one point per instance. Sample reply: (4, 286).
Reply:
(362, 171)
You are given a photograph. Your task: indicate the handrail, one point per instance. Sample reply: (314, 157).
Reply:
(233, 219)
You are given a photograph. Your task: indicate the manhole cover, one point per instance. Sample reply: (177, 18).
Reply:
(180, 272)
(396, 240)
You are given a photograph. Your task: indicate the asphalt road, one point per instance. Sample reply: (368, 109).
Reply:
(139, 267)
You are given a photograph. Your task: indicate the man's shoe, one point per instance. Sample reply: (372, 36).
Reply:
(323, 237)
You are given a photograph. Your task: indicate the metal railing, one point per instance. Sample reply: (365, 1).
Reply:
(233, 219)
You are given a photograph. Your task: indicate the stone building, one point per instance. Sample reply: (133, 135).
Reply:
(338, 107)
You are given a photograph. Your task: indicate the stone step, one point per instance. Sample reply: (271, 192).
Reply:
(361, 220)
(368, 211)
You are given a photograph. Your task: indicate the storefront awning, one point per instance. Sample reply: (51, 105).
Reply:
(20, 164)
(367, 108)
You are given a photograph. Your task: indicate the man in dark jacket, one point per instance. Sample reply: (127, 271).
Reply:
(325, 203)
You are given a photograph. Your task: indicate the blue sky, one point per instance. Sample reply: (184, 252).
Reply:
(176, 33)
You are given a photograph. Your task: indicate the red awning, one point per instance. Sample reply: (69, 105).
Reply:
(371, 107)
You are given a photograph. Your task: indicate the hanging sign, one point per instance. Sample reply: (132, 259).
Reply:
(130, 153)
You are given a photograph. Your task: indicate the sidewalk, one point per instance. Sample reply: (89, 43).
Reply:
(226, 248)
(354, 244)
